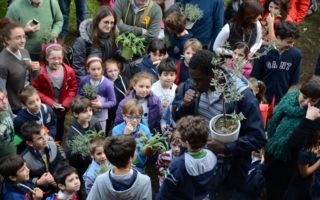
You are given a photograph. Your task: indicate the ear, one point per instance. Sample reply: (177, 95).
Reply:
(75, 115)
(61, 187)
(29, 143)
(13, 178)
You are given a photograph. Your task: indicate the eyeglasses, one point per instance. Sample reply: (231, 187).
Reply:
(132, 117)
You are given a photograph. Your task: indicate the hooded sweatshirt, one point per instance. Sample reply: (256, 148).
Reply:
(189, 177)
(147, 66)
(105, 188)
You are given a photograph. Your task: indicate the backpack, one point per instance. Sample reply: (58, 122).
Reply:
(69, 54)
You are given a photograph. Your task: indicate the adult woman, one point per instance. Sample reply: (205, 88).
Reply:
(16, 68)
(96, 37)
(244, 26)
(281, 154)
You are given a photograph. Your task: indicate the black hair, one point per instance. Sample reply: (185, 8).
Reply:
(30, 128)
(311, 88)
(61, 174)
(119, 150)
(157, 45)
(287, 29)
(242, 45)
(80, 104)
(202, 61)
(10, 165)
(167, 65)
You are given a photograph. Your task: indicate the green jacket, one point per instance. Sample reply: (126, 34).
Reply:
(148, 18)
(22, 11)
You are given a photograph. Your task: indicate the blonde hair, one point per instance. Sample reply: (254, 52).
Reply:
(194, 44)
(132, 107)
(139, 76)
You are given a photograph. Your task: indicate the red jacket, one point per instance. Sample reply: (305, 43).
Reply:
(298, 10)
(68, 90)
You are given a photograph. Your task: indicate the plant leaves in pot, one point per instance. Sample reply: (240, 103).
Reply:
(193, 13)
(222, 133)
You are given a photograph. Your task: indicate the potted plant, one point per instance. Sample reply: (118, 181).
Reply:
(90, 91)
(193, 13)
(130, 45)
(79, 144)
(156, 144)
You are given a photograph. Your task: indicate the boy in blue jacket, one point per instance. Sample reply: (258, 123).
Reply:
(190, 176)
(16, 184)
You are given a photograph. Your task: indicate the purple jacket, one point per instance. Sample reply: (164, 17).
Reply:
(105, 89)
(155, 110)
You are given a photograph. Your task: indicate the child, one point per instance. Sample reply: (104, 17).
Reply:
(82, 122)
(56, 84)
(165, 89)
(157, 51)
(176, 25)
(68, 183)
(190, 175)
(167, 157)
(99, 160)
(105, 94)
(122, 182)
(151, 104)
(191, 47)
(275, 11)
(35, 111)
(240, 59)
(16, 184)
(42, 156)
(132, 112)
(6, 128)
(120, 85)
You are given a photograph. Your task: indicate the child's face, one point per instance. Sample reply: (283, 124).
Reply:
(39, 141)
(142, 88)
(85, 116)
(33, 103)
(274, 9)
(133, 119)
(167, 79)
(112, 71)
(55, 59)
(188, 53)
(99, 156)
(23, 174)
(72, 184)
(3, 102)
(285, 44)
(95, 71)
(156, 56)
(238, 55)
(254, 88)
(304, 101)
(175, 149)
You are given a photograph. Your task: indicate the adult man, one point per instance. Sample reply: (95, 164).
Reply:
(81, 12)
(141, 17)
(279, 69)
(197, 97)
(46, 25)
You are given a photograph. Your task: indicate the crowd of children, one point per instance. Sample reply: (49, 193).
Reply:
(81, 131)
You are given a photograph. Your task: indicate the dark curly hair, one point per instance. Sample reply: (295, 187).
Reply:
(287, 29)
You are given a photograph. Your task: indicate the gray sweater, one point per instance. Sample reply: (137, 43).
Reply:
(103, 189)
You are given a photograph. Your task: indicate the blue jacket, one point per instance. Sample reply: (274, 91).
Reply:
(10, 191)
(147, 66)
(46, 117)
(251, 136)
(208, 27)
(279, 71)
(175, 50)
(189, 178)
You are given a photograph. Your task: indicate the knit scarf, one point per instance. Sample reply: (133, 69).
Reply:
(285, 119)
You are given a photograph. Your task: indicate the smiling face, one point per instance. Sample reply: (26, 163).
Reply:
(33, 103)
(17, 39)
(99, 156)
(106, 24)
(142, 88)
(23, 174)
(95, 70)
(55, 59)
(285, 44)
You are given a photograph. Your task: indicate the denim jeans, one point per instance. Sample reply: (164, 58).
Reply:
(81, 12)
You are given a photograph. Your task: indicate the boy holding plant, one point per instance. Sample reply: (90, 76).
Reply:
(190, 176)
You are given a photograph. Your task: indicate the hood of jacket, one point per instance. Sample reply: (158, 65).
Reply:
(85, 30)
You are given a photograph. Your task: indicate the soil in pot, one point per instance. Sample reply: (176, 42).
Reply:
(231, 125)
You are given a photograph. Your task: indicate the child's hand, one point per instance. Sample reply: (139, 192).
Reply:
(312, 112)
(156, 63)
(128, 129)
(46, 178)
(96, 104)
(270, 19)
(37, 194)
